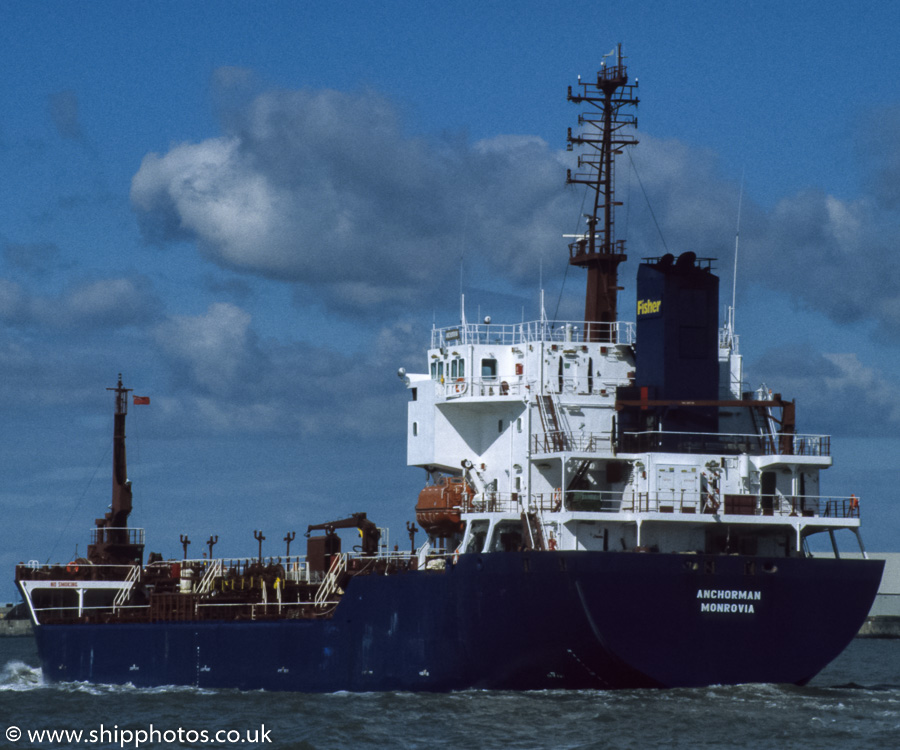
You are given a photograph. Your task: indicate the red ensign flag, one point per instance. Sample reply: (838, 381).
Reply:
(141, 400)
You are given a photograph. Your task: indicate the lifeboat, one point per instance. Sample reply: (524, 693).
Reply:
(439, 506)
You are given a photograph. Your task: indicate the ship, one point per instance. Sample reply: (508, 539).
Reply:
(606, 506)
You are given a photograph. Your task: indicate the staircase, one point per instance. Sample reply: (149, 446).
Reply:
(556, 430)
(335, 572)
(533, 531)
(212, 572)
(121, 597)
(578, 476)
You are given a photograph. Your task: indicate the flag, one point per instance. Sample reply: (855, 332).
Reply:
(139, 400)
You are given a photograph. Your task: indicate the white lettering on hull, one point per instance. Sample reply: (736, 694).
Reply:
(728, 601)
(744, 609)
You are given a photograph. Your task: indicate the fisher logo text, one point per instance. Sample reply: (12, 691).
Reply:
(648, 306)
(728, 601)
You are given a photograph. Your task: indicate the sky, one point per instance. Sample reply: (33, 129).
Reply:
(256, 212)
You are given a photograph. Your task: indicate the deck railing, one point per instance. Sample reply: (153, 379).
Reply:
(587, 501)
(554, 331)
(715, 442)
(513, 385)
(116, 535)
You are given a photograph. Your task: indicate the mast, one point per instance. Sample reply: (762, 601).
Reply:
(603, 134)
(121, 487)
(113, 542)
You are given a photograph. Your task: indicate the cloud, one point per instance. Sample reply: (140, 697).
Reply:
(217, 352)
(326, 189)
(878, 148)
(103, 303)
(229, 380)
(834, 255)
(836, 392)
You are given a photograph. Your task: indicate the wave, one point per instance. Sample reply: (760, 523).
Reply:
(17, 675)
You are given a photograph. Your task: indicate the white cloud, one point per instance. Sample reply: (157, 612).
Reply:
(835, 392)
(326, 188)
(217, 350)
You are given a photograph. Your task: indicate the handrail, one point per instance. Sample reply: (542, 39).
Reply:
(717, 442)
(336, 569)
(578, 442)
(133, 575)
(551, 331)
(209, 576)
(109, 534)
(592, 501)
(503, 385)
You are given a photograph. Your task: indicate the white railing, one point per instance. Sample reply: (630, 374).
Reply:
(212, 572)
(787, 444)
(535, 331)
(513, 385)
(577, 442)
(133, 575)
(666, 501)
(337, 569)
(693, 502)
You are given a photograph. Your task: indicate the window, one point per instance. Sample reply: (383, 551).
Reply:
(415, 429)
(414, 392)
(489, 368)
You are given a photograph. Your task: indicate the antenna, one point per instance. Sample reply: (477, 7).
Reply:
(737, 238)
(462, 318)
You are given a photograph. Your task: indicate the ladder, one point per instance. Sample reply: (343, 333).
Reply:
(534, 530)
(335, 571)
(133, 575)
(212, 572)
(556, 430)
(580, 473)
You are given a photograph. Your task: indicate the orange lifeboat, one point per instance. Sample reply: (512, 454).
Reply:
(439, 506)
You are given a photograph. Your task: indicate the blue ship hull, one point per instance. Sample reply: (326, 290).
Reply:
(513, 621)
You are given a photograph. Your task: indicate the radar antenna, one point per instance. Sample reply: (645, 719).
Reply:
(604, 134)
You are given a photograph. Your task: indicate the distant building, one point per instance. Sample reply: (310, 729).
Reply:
(884, 617)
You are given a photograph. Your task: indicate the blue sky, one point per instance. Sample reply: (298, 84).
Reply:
(256, 210)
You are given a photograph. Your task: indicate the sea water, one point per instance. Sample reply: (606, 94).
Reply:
(855, 702)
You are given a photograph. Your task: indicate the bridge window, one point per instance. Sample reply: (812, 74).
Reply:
(488, 368)
(458, 368)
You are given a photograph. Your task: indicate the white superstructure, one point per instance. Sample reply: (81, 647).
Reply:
(526, 414)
